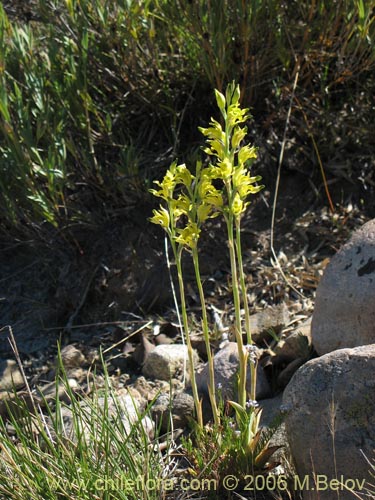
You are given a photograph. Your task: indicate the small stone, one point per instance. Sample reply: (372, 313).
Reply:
(145, 388)
(167, 361)
(10, 375)
(71, 357)
(48, 391)
(271, 318)
(162, 338)
(287, 373)
(181, 409)
(143, 349)
(297, 344)
(132, 409)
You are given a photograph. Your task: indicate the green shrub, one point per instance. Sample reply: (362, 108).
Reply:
(93, 93)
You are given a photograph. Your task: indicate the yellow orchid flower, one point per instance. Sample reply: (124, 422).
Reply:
(204, 212)
(217, 148)
(189, 235)
(226, 168)
(161, 217)
(213, 132)
(246, 153)
(237, 205)
(184, 175)
(181, 206)
(238, 135)
(237, 115)
(167, 186)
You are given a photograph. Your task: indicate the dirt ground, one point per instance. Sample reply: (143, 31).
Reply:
(88, 284)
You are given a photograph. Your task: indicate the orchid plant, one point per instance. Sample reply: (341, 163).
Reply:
(222, 188)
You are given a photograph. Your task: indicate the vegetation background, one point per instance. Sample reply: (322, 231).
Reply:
(97, 97)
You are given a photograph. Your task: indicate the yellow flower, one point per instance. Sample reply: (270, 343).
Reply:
(246, 153)
(161, 217)
(213, 132)
(237, 115)
(238, 135)
(207, 192)
(237, 205)
(167, 185)
(215, 198)
(211, 172)
(217, 148)
(189, 235)
(181, 206)
(183, 175)
(243, 183)
(204, 212)
(226, 168)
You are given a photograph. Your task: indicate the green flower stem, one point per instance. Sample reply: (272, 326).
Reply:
(246, 306)
(197, 402)
(242, 282)
(237, 307)
(210, 361)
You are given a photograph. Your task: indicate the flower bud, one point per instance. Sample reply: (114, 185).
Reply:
(220, 99)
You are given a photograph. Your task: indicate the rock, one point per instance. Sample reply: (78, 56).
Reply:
(344, 314)
(331, 418)
(167, 361)
(271, 409)
(124, 406)
(181, 409)
(271, 318)
(287, 373)
(226, 369)
(143, 349)
(291, 353)
(14, 405)
(162, 338)
(10, 375)
(297, 344)
(148, 389)
(131, 414)
(49, 393)
(71, 357)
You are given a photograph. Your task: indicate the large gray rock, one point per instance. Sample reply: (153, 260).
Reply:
(226, 369)
(344, 314)
(331, 421)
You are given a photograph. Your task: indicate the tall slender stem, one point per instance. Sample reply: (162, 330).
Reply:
(242, 281)
(197, 402)
(237, 307)
(246, 306)
(206, 335)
